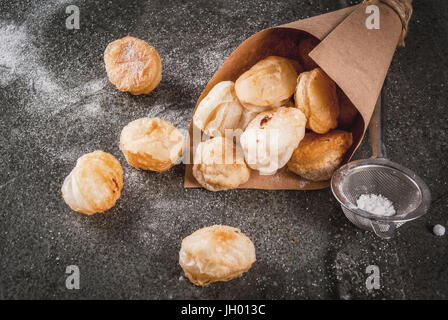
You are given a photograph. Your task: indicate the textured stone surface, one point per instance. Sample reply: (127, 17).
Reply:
(56, 104)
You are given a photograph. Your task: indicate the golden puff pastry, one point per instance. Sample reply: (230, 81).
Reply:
(316, 96)
(216, 253)
(319, 155)
(219, 165)
(151, 144)
(132, 65)
(348, 111)
(305, 47)
(95, 184)
(271, 137)
(268, 84)
(246, 117)
(219, 110)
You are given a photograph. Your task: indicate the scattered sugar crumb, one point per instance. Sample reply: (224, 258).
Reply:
(439, 230)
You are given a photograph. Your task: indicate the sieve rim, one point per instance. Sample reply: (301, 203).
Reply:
(381, 162)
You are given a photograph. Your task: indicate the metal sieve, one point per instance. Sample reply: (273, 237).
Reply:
(378, 175)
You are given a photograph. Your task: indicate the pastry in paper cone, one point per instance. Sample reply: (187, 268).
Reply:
(316, 97)
(219, 110)
(269, 83)
(219, 165)
(271, 137)
(246, 117)
(319, 155)
(216, 253)
(151, 144)
(132, 65)
(95, 184)
(356, 59)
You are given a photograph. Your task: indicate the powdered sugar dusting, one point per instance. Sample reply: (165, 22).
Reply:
(19, 59)
(376, 204)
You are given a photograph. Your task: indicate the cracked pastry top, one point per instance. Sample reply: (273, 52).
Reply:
(216, 253)
(151, 144)
(269, 83)
(132, 65)
(95, 184)
(219, 164)
(319, 155)
(316, 97)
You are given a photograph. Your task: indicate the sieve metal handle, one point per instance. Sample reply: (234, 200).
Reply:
(376, 130)
(384, 230)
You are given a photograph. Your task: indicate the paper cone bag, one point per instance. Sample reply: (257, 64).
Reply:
(355, 57)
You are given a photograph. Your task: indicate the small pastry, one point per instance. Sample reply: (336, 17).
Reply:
(95, 184)
(271, 137)
(219, 165)
(246, 117)
(219, 110)
(216, 253)
(132, 65)
(348, 111)
(319, 155)
(268, 84)
(305, 47)
(151, 144)
(316, 97)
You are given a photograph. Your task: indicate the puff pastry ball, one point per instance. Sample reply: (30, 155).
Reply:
(305, 47)
(219, 110)
(269, 83)
(348, 111)
(316, 96)
(95, 184)
(219, 165)
(271, 137)
(319, 155)
(216, 253)
(132, 65)
(151, 144)
(246, 117)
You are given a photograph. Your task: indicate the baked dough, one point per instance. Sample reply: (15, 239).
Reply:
(219, 165)
(268, 84)
(219, 110)
(246, 117)
(271, 137)
(319, 155)
(95, 184)
(132, 65)
(216, 253)
(348, 111)
(305, 47)
(316, 96)
(151, 144)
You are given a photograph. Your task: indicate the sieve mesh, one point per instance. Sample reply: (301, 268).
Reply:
(408, 193)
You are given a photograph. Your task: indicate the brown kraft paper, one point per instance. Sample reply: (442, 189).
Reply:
(356, 58)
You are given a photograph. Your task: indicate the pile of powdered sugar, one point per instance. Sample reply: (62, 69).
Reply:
(376, 204)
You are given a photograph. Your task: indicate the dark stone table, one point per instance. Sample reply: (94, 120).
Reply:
(56, 104)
